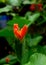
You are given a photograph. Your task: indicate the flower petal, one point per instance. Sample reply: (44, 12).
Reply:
(16, 26)
(24, 30)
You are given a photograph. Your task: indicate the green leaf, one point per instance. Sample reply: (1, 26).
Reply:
(37, 59)
(6, 9)
(14, 2)
(29, 2)
(33, 18)
(26, 2)
(22, 21)
(28, 63)
(19, 20)
(28, 14)
(33, 41)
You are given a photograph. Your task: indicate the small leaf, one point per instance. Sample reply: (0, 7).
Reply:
(33, 41)
(33, 18)
(28, 14)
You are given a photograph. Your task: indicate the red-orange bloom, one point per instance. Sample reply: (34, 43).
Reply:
(32, 7)
(20, 33)
(40, 8)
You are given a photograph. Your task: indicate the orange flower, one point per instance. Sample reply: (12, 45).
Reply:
(20, 33)
(7, 60)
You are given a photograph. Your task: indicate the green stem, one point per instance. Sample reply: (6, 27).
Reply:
(23, 50)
